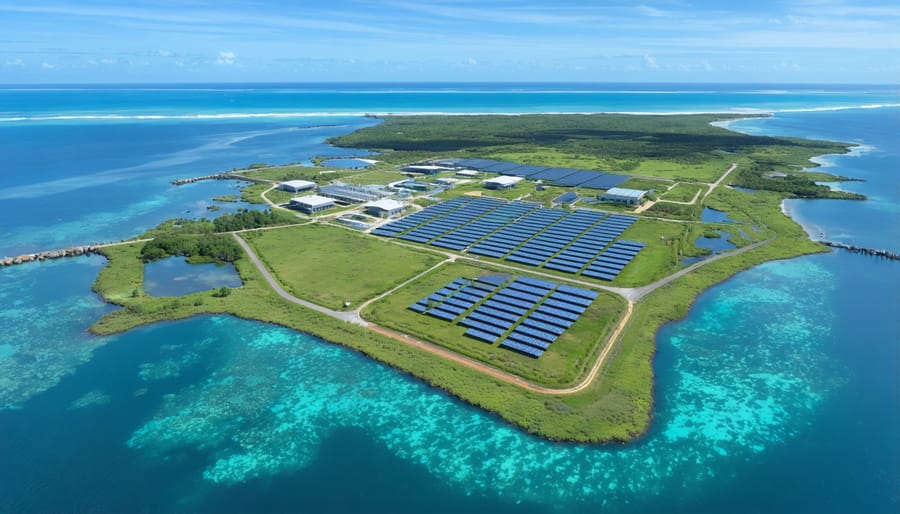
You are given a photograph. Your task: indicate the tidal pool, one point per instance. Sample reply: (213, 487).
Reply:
(174, 276)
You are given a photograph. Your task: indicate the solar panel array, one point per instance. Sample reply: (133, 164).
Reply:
(524, 233)
(571, 177)
(525, 315)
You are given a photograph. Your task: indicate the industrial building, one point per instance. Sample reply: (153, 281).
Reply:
(384, 208)
(502, 182)
(624, 196)
(352, 194)
(311, 204)
(296, 186)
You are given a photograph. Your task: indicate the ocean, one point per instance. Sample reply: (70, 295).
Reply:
(777, 393)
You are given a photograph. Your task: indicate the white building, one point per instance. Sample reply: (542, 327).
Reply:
(502, 182)
(295, 186)
(384, 208)
(311, 204)
(624, 196)
(467, 173)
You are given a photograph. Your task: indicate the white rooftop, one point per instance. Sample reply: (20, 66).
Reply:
(504, 180)
(385, 204)
(428, 167)
(299, 184)
(313, 200)
(628, 193)
(467, 173)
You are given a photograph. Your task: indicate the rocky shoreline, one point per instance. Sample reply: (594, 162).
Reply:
(73, 251)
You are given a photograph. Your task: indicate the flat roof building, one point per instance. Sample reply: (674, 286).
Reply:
(467, 173)
(503, 182)
(427, 169)
(352, 194)
(311, 204)
(384, 207)
(295, 186)
(624, 196)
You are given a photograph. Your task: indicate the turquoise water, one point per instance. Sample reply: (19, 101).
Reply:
(174, 276)
(776, 394)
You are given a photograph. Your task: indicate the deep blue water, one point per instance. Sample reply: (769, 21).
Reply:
(776, 394)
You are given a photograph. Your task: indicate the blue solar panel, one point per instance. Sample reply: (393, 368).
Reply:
(577, 309)
(496, 313)
(481, 336)
(417, 307)
(527, 298)
(557, 313)
(537, 291)
(455, 309)
(574, 291)
(537, 324)
(527, 350)
(605, 181)
(530, 341)
(442, 314)
(512, 309)
(537, 283)
(533, 332)
(597, 274)
(494, 280)
(577, 300)
(562, 267)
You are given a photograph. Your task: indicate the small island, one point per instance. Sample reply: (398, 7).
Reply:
(520, 263)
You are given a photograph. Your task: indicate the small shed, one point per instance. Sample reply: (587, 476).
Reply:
(296, 186)
(503, 182)
(624, 196)
(311, 204)
(384, 208)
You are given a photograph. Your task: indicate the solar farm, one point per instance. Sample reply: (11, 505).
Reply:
(524, 314)
(566, 177)
(575, 242)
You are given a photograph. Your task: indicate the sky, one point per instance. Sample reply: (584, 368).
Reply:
(195, 41)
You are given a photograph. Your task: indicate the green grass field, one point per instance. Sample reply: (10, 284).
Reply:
(329, 265)
(564, 362)
(683, 192)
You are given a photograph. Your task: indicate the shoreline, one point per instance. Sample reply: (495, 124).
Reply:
(748, 112)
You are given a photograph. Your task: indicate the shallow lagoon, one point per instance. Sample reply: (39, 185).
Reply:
(175, 276)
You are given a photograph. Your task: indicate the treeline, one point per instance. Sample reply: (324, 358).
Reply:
(212, 246)
(795, 184)
(241, 220)
(246, 219)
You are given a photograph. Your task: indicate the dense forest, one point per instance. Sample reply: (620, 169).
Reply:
(215, 247)
(622, 139)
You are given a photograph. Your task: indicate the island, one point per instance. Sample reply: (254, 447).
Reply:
(522, 264)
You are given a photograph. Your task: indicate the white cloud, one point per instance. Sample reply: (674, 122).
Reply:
(109, 61)
(472, 61)
(646, 10)
(47, 66)
(706, 65)
(226, 58)
(650, 62)
(14, 62)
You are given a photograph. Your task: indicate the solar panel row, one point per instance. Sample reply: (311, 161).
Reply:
(527, 310)
(610, 263)
(572, 177)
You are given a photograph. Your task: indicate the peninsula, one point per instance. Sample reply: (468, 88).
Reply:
(520, 263)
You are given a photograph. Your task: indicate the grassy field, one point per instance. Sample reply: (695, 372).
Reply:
(561, 365)
(683, 192)
(330, 265)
